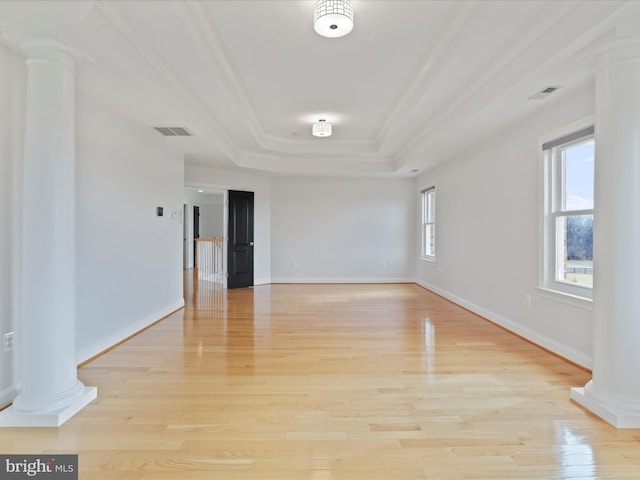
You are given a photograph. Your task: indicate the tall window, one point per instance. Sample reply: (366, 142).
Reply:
(569, 167)
(429, 223)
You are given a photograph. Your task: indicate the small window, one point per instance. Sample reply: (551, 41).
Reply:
(429, 223)
(569, 172)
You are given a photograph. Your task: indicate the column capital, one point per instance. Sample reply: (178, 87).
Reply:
(618, 44)
(44, 44)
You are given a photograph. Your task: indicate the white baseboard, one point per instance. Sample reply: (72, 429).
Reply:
(342, 280)
(262, 281)
(7, 395)
(550, 344)
(92, 350)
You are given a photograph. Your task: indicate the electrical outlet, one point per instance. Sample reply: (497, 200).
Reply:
(383, 264)
(527, 300)
(294, 264)
(7, 342)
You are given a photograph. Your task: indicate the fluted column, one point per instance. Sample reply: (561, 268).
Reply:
(614, 391)
(50, 391)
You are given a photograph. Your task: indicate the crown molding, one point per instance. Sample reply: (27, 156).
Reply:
(508, 59)
(326, 146)
(197, 21)
(228, 146)
(315, 165)
(420, 85)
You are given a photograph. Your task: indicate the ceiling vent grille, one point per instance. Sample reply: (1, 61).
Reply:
(174, 131)
(544, 93)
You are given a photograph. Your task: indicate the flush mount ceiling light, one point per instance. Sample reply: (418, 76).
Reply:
(321, 128)
(333, 18)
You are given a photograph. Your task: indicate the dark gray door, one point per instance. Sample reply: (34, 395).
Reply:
(240, 257)
(196, 229)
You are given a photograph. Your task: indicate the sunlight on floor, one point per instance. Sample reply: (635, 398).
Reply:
(574, 454)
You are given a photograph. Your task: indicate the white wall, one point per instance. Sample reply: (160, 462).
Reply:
(129, 261)
(211, 211)
(488, 204)
(260, 184)
(12, 101)
(211, 219)
(342, 229)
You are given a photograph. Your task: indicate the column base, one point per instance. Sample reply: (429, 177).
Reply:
(53, 418)
(616, 416)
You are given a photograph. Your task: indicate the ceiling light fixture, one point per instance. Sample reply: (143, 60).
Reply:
(321, 128)
(333, 18)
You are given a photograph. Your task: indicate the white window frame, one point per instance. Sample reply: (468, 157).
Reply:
(427, 197)
(552, 194)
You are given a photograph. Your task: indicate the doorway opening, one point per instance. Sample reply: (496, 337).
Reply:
(218, 236)
(205, 219)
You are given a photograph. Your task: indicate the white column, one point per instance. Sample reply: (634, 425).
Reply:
(614, 391)
(50, 391)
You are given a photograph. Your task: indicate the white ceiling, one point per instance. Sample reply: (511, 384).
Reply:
(414, 84)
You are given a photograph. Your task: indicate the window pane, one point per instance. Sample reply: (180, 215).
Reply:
(430, 237)
(425, 240)
(432, 206)
(428, 222)
(578, 171)
(424, 207)
(575, 249)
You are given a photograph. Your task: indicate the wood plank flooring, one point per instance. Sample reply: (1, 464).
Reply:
(332, 382)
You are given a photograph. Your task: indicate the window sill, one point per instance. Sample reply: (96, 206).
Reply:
(428, 259)
(574, 300)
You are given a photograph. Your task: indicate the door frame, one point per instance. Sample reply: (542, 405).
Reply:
(189, 254)
(225, 243)
(188, 220)
(185, 235)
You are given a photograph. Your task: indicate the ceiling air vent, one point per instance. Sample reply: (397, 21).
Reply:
(544, 93)
(174, 131)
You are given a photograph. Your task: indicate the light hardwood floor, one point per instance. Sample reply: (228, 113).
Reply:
(322, 382)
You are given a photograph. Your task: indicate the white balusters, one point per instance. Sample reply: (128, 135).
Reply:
(209, 259)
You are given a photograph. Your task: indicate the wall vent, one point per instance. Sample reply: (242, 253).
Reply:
(544, 93)
(174, 131)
